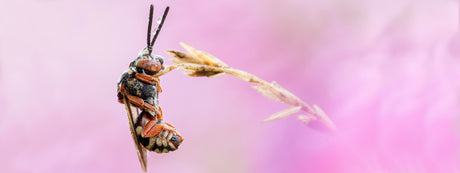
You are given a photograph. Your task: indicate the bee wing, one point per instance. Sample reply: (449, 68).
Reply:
(141, 152)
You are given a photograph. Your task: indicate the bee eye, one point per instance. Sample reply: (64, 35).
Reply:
(159, 58)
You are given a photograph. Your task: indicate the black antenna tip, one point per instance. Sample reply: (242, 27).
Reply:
(149, 29)
(159, 26)
(167, 9)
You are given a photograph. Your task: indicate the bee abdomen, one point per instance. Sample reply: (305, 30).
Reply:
(164, 142)
(156, 144)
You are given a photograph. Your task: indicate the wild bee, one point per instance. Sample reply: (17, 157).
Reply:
(138, 89)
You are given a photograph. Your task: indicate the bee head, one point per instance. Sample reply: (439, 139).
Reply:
(147, 63)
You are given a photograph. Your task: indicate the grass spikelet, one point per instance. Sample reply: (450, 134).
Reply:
(198, 63)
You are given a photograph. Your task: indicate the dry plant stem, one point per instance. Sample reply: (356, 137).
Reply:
(244, 76)
(254, 79)
(141, 152)
(199, 63)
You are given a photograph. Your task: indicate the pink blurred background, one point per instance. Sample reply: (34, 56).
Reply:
(386, 72)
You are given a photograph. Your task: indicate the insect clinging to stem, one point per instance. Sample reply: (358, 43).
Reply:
(138, 89)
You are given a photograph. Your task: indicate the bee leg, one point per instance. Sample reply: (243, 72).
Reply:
(152, 128)
(121, 90)
(145, 78)
(146, 117)
(160, 115)
(157, 80)
(149, 79)
(141, 104)
(120, 97)
(172, 129)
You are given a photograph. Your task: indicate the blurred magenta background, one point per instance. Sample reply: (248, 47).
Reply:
(386, 72)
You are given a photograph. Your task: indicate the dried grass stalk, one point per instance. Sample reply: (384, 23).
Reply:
(284, 113)
(197, 63)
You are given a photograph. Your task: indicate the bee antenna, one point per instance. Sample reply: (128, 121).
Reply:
(159, 27)
(150, 27)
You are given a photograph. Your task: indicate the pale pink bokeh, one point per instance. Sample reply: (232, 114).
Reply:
(386, 72)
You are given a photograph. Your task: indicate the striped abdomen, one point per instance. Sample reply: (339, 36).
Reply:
(164, 142)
